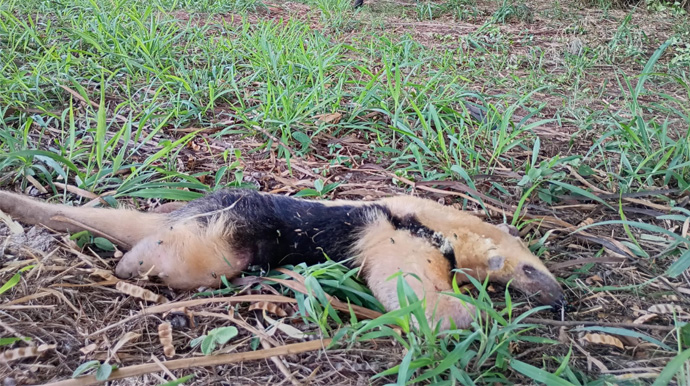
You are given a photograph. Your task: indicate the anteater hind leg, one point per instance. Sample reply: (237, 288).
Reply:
(185, 255)
(386, 251)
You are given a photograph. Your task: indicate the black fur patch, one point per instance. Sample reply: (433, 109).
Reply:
(412, 224)
(279, 230)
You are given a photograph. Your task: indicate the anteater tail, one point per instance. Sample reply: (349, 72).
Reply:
(121, 226)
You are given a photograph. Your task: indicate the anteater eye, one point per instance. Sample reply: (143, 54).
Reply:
(529, 270)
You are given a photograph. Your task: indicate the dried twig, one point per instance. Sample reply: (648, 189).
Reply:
(186, 363)
(573, 323)
(76, 190)
(280, 365)
(228, 299)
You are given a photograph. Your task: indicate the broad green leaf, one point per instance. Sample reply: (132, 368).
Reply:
(178, 381)
(197, 341)
(224, 334)
(104, 371)
(103, 244)
(208, 345)
(679, 266)
(9, 341)
(85, 367)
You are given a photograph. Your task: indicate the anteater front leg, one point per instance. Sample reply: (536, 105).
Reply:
(185, 254)
(385, 251)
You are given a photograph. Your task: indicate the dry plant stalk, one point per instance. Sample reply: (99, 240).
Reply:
(186, 363)
(269, 307)
(24, 352)
(165, 337)
(138, 292)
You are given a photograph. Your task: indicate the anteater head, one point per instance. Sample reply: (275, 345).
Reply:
(498, 252)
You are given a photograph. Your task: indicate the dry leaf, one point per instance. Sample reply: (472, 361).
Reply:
(25, 352)
(637, 311)
(104, 274)
(329, 118)
(636, 376)
(290, 331)
(645, 318)
(603, 339)
(665, 309)
(126, 338)
(12, 225)
(165, 337)
(374, 114)
(269, 307)
(585, 222)
(593, 279)
(88, 349)
(138, 292)
(36, 184)
(563, 336)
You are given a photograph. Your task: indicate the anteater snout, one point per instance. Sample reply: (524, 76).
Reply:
(551, 293)
(542, 285)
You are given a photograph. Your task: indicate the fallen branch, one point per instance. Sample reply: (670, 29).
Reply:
(227, 299)
(206, 361)
(573, 323)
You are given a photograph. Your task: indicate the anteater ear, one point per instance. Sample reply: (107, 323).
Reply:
(496, 263)
(509, 229)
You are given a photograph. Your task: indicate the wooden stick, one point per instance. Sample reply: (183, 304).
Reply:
(573, 323)
(206, 361)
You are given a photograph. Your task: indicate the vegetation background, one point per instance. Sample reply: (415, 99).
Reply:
(582, 142)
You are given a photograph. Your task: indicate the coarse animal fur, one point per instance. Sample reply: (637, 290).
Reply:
(228, 231)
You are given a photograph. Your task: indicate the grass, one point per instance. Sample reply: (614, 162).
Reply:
(170, 99)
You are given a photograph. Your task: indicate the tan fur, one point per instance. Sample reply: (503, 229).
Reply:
(474, 243)
(474, 240)
(384, 252)
(186, 255)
